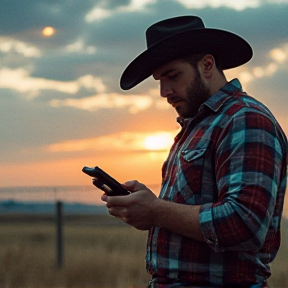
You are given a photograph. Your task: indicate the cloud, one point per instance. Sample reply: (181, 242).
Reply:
(122, 141)
(21, 81)
(117, 141)
(79, 46)
(100, 11)
(134, 103)
(277, 60)
(280, 55)
(237, 5)
(9, 45)
(137, 5)
(276, 1)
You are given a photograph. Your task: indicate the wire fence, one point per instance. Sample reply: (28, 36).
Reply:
(85, 194)
(31, 204)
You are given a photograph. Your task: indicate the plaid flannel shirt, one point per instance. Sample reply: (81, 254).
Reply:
(231, 160)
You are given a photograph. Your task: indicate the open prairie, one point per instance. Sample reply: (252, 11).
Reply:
(98, 251)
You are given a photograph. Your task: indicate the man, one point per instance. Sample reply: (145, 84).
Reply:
(216, 222)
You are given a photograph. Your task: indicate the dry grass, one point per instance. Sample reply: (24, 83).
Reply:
(95, 254)
(98, 252)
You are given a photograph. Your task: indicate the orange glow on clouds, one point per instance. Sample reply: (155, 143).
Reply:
(278, 59)
(124, 155)
(123, 141)
(135, 103)
(280, 54)
(48, 31)
(159, 141)
(145, 167)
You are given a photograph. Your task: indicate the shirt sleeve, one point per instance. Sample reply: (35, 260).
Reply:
(248, 165)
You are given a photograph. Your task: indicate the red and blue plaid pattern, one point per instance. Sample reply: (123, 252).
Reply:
(231, 160)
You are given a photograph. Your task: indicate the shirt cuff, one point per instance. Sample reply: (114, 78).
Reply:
(207, 227)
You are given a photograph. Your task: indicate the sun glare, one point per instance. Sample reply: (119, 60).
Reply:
(159, 141)
(48, 31)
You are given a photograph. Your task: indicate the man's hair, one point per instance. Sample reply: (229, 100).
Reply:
(195, 58)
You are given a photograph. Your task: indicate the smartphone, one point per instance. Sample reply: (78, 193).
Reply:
(104, 178)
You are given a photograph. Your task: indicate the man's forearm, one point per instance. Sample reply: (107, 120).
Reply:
(179, 218)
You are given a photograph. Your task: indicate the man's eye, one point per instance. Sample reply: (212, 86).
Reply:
(173, 76)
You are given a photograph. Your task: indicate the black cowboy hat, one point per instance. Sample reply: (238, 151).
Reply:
(181, 36)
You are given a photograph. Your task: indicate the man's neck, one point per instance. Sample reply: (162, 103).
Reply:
(218, 82)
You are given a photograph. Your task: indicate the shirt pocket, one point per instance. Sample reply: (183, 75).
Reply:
(191, 172)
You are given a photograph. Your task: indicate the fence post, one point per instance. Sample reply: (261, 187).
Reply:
(59, 230)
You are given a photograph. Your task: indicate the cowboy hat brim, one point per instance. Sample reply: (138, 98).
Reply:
(230, 49)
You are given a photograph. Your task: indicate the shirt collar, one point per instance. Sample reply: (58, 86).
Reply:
(221, 96)
(216, 101)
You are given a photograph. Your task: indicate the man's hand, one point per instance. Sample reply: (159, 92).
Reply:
(135, 209)
(142, 210)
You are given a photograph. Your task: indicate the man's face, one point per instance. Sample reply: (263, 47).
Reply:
(183, 87)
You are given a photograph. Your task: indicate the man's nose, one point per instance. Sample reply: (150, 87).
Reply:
(165, 89)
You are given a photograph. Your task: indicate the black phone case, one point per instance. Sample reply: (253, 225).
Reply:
(117, 188)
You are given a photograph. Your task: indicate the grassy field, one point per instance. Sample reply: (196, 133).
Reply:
(99, 251)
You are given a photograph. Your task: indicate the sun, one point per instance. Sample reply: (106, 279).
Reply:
(48, 31)
(158, 141)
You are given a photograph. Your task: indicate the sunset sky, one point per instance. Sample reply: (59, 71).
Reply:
(61, 107)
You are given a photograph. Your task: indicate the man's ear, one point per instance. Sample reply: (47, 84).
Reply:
(207, 65)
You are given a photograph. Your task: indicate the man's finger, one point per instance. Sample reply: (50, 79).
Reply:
(134, 185)
(99, 184)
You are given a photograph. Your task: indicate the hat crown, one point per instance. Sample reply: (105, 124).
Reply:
(169, 27)
(178, 37)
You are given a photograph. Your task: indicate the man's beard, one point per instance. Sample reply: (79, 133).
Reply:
(197, 94)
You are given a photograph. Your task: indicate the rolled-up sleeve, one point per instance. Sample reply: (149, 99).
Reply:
(248, 163)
